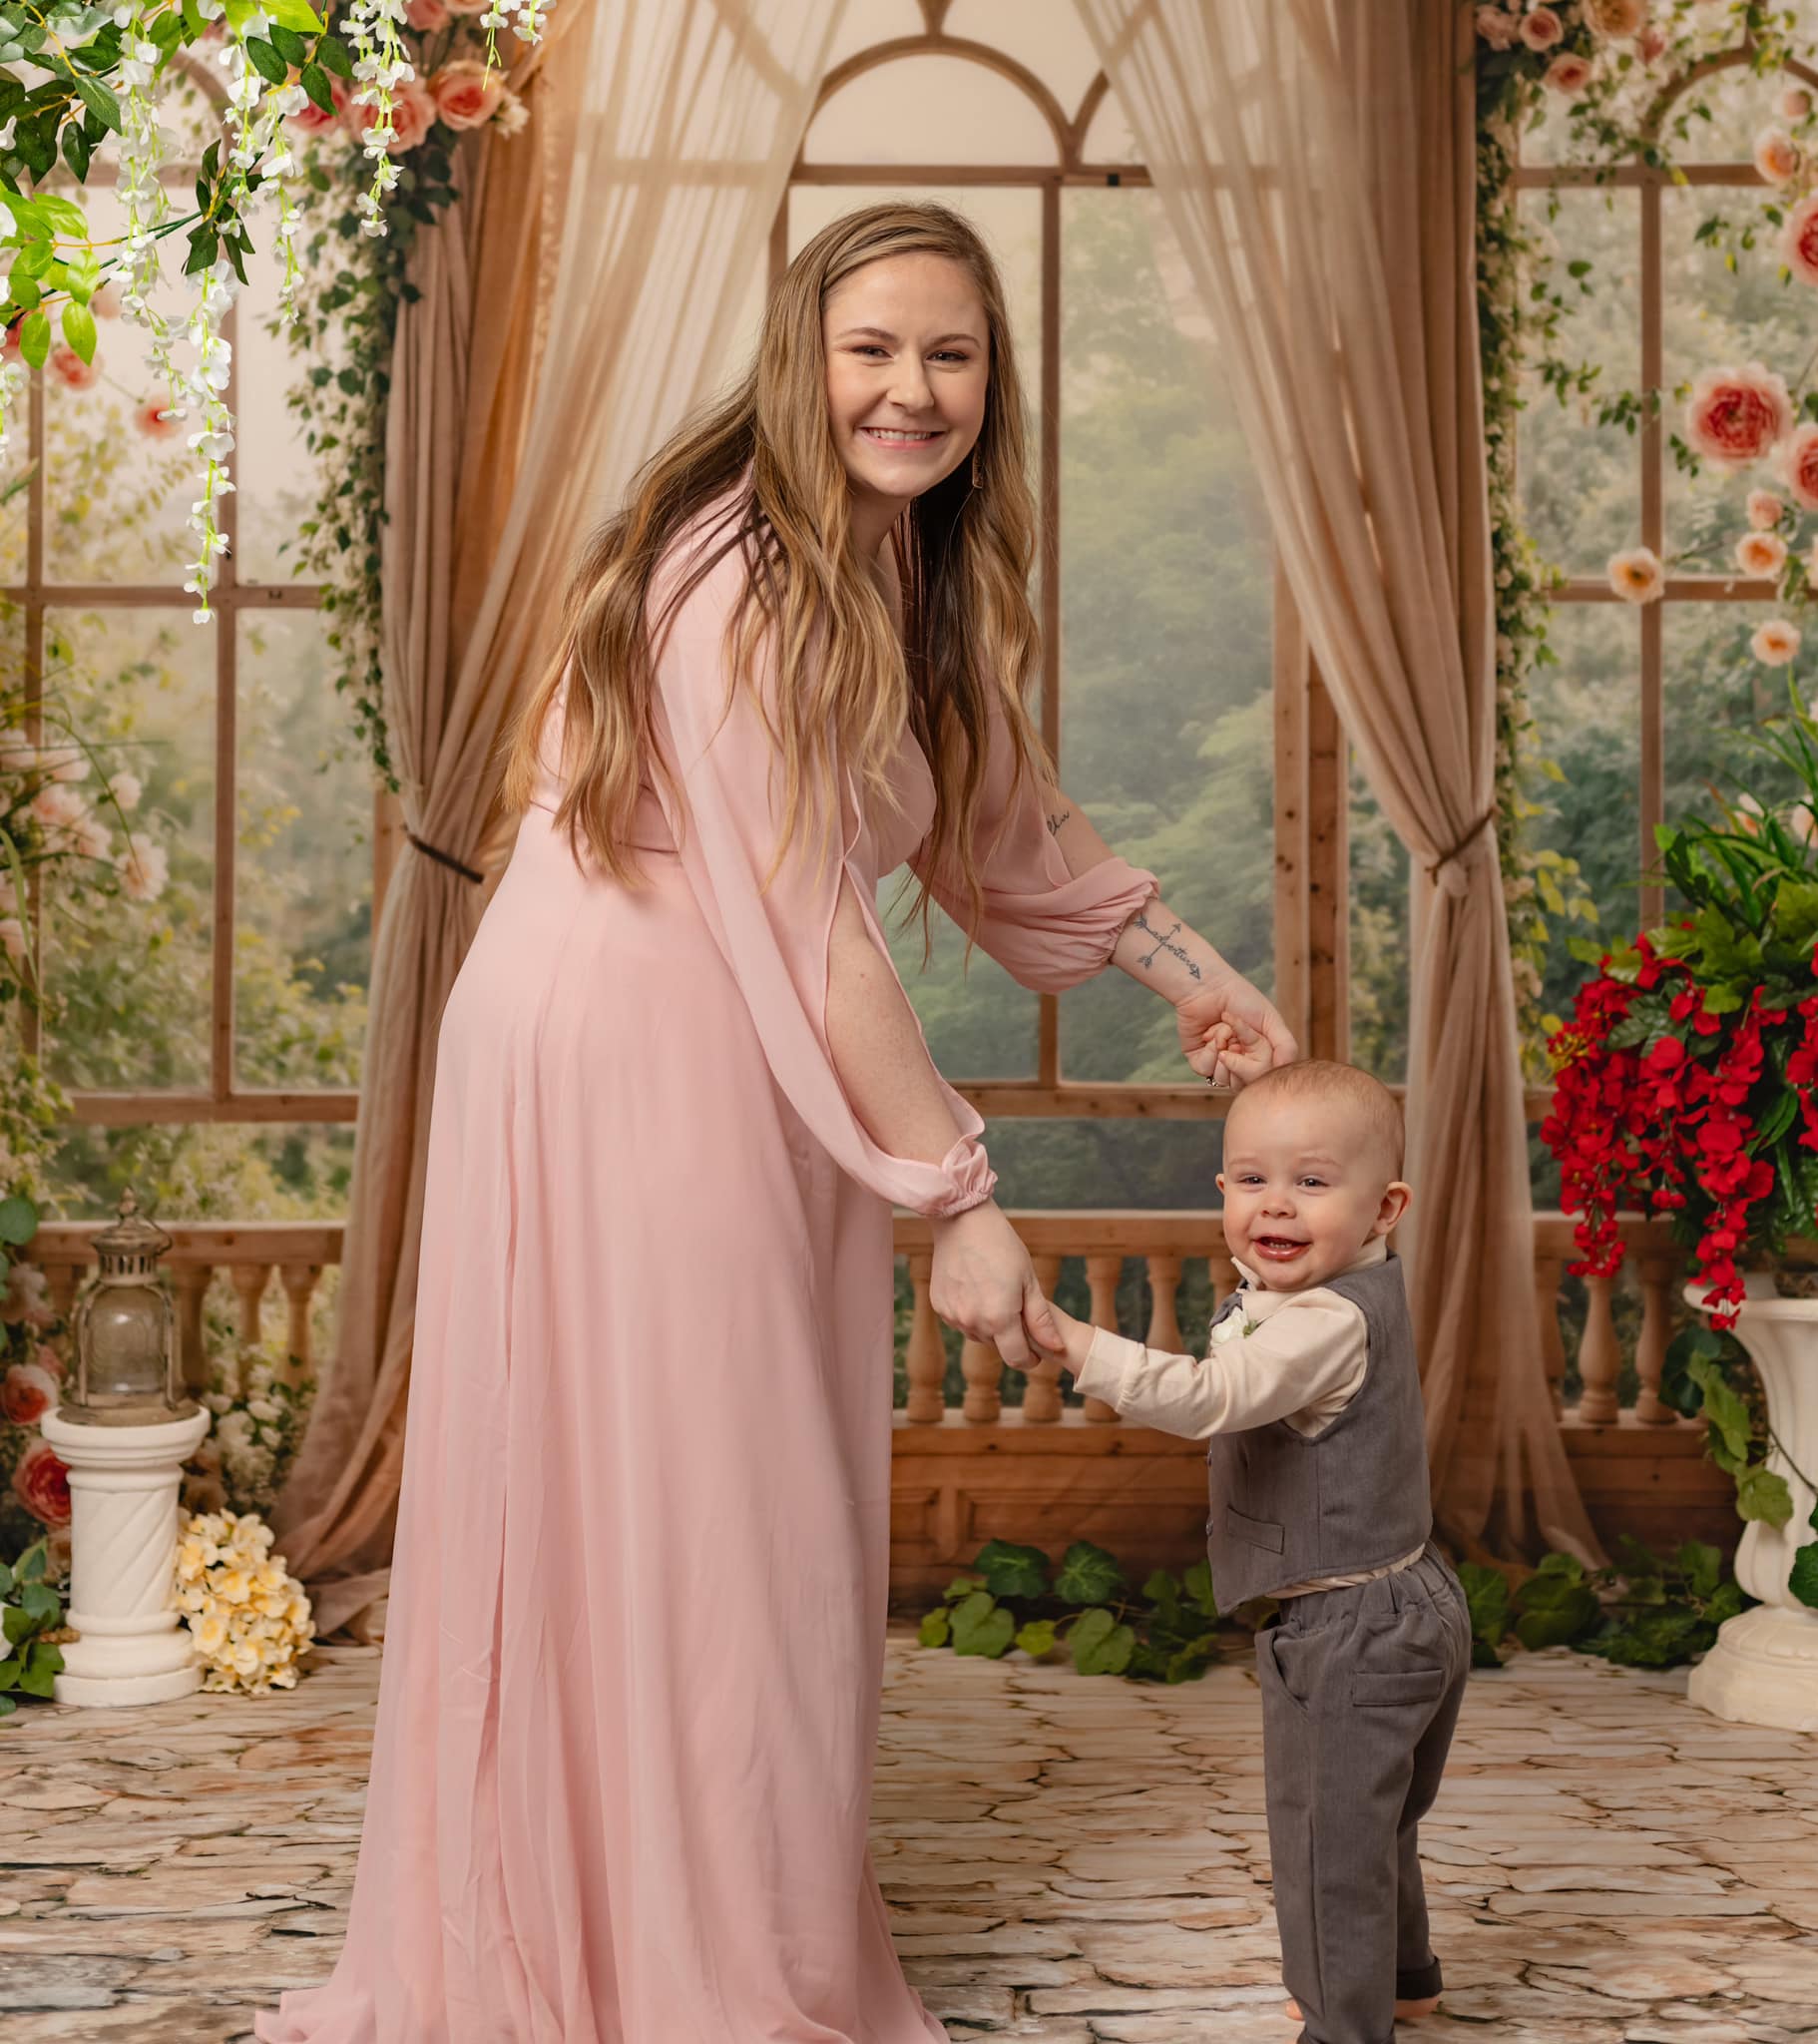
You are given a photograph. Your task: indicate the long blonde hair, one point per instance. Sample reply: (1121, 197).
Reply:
(845, 684)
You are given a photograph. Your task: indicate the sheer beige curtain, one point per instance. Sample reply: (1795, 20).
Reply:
(580, 302)
(1315, 158)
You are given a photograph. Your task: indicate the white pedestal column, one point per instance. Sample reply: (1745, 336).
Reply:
(124, 1483)
(1764, 1668)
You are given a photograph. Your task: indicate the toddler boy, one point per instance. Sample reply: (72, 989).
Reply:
(1310, 1398)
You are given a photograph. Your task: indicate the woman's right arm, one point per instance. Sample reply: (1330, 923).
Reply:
(983, 1281)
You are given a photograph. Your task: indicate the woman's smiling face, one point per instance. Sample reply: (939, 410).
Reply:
(908, 368)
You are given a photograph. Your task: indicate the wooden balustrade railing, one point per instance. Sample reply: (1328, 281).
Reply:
(1168, 1242)
(248, 1253)
(251, 1253)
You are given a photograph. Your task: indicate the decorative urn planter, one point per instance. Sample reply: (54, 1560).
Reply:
(125, 1431)
(1763, 1669)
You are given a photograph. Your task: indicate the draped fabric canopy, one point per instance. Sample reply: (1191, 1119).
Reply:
(1317, 161)
(573, 307)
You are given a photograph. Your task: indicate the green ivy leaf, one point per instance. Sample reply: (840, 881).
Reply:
(934, 1629)
(6, 1580)
(1037, 1637)
(1088, 1575)
(1099, 1645)
(1008, 1570)
(1803, 1582)
(1197, 1583)
(987, 1633)
(15, 1623)
(40, 1603)
(1486, 1596)
(1730, 1430)
(961, 1586)
(18, 1219)
(7, 1706)
(43, 1663)
(1760, 1494)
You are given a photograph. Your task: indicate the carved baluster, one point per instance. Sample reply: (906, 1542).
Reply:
(983, 1368)
(1101, 1274)
(1042, 1393)
(1600, 1356)
(190, 1284)
(1163, 1289)
(1656, 1329)
(1547, 1308)
(299, 1281)
(926, 1358)
(250, 1281)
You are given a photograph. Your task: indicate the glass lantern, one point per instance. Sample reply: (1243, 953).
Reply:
(126, 1333)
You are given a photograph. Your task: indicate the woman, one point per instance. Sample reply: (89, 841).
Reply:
(631, 1687)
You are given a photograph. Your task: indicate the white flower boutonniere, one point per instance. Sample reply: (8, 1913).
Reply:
(1232, 1326)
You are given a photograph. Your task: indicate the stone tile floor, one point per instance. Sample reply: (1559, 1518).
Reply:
(1069, 1861)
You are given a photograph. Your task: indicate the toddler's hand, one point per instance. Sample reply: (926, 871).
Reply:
(1076, 1342)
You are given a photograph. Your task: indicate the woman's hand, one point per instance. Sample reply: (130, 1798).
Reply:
(1231, 1033)
(984, 1284)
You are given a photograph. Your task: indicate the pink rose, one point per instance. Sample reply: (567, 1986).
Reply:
(426, 16)
(1776, 156)
(1543, 29)
(1497, 28)
(9, 347)
(58, 807)
(1798, 465)
(1794, 103)
(1735, 415)
(1775, 643)
(42, 1484)
(1651, 44)
(1764, 510)
(1799, 243)
(27, 1394)
(466, 93)
(1636, 576)
(48, 1361)
(309, 118)
(1761, 553)
(70, 370)
(105, 305)
(1567, 75)
(467, 6)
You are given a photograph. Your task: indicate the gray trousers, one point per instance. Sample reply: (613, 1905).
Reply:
(1360, 1693)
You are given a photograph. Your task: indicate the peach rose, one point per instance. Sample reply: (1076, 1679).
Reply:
(1567, 75)
(155, 419)
(144, 869)
(1735, 415)
(1761, 553)
(1764, 510)
(1794, 103)
(105, 305)
(126, 789)
(1616, 17)
(58, 807)
(48, 1361)
(1497, 28)
(1636, 576)
(41, 1483)
(27, 1394)
(1797, 462)
(70, 370)
(413, 114)
(1543, 29)
(426, 16)
(1775, 643)
(466, 93)
(1799, 240)
(1776, 156)
(1651, 44)
(309, 118)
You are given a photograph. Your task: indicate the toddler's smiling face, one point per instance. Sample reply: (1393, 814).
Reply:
(1308, 1182)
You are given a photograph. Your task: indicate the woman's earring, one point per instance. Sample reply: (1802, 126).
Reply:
(978, 474)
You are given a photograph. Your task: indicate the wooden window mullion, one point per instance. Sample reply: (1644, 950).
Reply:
(1653, 534)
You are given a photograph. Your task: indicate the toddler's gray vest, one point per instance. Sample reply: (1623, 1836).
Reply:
(1287, 1506)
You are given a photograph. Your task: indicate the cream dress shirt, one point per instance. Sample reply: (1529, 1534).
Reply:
(1298, 1357)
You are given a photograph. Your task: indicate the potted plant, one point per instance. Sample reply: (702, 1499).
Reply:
(1687, 1084)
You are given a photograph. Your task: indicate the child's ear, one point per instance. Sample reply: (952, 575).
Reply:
(1221, 1181)
(1395, 1201)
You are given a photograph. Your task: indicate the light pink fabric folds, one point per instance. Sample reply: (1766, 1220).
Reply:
(629, 1706)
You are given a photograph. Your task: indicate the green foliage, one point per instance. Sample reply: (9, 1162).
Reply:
(29, 1609)
(1644, 1612)
(1487, 1597)
(1164, 1635)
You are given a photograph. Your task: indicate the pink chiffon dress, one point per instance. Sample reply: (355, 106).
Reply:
(630, 1695)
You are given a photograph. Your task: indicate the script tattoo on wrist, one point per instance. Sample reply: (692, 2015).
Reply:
(1054, 823)
(1164, 942)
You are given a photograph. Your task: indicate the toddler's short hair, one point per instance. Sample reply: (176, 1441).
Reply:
(1323, 1078)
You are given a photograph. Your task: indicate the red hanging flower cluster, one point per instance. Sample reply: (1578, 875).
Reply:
(1666, 1103)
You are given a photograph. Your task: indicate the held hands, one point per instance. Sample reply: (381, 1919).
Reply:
(983, 1284)
(1231, 1033)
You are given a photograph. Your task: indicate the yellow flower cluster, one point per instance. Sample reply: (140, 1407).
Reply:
(249, 1618)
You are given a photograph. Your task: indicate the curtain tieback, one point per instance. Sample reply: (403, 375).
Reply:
(1450, 870)
(448, 859)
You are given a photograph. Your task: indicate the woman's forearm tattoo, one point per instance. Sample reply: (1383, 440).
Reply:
(1164, 942)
